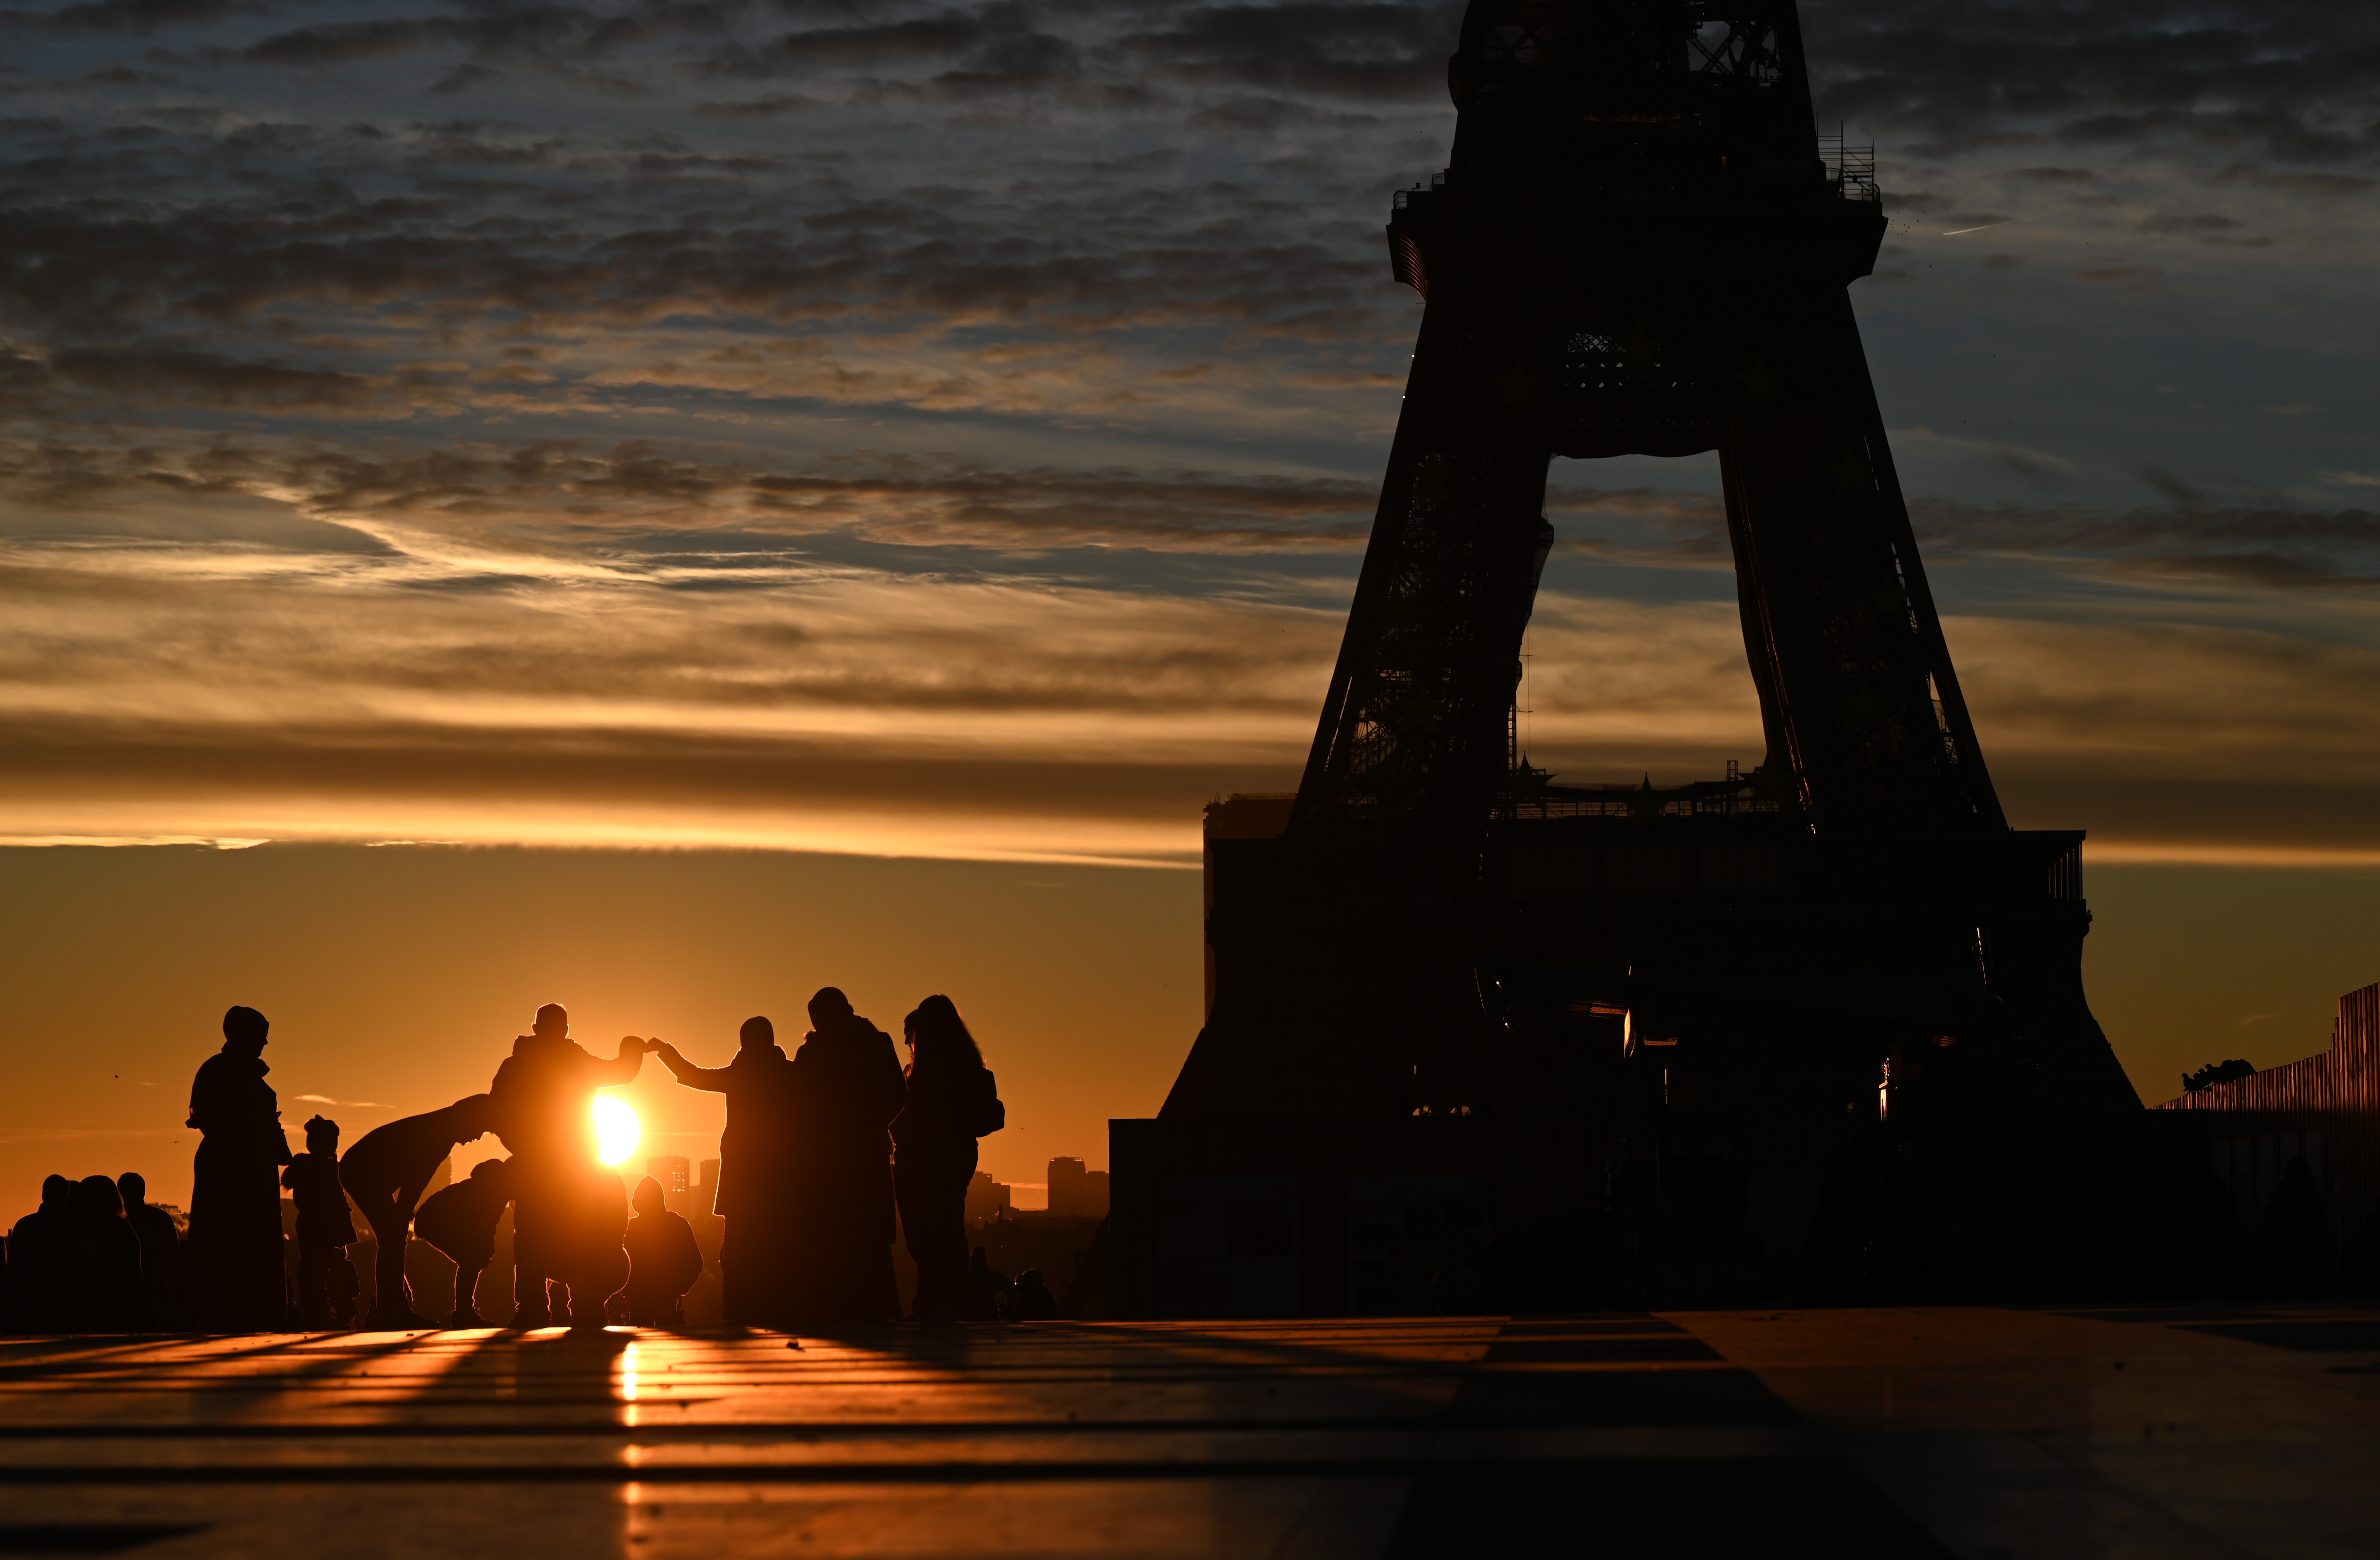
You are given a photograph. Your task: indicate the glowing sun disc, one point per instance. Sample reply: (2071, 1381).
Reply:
(617, 1131)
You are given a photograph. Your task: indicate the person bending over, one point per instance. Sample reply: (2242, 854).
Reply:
(386, 1172)
(460, 1221)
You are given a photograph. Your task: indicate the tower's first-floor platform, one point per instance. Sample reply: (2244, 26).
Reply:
(2179, 1433)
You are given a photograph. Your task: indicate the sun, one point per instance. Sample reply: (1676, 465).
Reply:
(617, 1131)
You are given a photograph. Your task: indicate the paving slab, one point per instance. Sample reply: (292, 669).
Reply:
(1998, 1433)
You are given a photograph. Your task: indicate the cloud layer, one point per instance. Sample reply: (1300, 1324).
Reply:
(953, 428)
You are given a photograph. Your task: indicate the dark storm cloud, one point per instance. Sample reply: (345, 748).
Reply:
(1358, 51)
(2273, 548)
(136, 18)
(169, 375)
(2297, 80)
(2257, 548)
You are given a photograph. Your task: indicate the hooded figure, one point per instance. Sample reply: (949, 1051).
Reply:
(236, 1183)
(663, 1261)
(847, 1087)
(756, 1189)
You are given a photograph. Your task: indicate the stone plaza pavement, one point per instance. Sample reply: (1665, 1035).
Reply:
(2174, 1434)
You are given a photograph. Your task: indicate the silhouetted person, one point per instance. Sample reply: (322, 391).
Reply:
(40, 1257)
(460, 1220)
(326, 1279)
(663, 1261)
(756, 1195)
(987, 1289)
(562, 1195)
(159, 1249)
(1031, 1300)
(952, 1100)
(386, 1172)
(236, 1182)
(848, 1085)
(103, 1260)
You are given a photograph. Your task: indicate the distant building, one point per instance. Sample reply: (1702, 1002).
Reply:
(1075, 1191)
(671, 1170)
(986, 1198)
(709, 1181)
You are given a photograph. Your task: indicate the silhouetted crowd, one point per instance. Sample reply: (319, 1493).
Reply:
(820, 1149)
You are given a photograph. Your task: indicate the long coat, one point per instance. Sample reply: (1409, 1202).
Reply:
(847, 1087)
(757, 1146)
(235, 1190)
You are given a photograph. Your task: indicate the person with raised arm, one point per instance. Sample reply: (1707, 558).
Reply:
(757, 1192)
(564, 1196)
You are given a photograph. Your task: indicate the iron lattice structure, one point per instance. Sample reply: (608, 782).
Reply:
(1641, 245)
(1638, 248)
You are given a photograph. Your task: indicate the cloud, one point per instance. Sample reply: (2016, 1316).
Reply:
(136, 18)
(1382, 52)
(2294, 81)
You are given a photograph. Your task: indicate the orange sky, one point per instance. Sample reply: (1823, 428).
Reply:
(396, 977)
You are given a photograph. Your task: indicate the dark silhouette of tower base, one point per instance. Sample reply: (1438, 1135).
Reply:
(1813, 1032)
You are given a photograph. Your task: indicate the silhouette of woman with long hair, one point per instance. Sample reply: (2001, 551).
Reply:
(236, 1182)
(952, 1100)
(757, 1193)
(847, 1087)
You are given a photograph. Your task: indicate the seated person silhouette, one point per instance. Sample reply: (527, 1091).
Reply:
(326, 1279)
(664, 1262)
(1031, 1300)
(386, 1172)
(159, 1248)
(460, 1221)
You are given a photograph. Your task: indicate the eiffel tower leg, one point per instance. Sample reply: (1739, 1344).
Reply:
(1855, 680)
(1409, 738)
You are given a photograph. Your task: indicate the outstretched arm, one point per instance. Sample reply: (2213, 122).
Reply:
(621, 1069)
(713, 1079)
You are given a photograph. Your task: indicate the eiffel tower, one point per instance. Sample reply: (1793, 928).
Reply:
(1641, 245)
